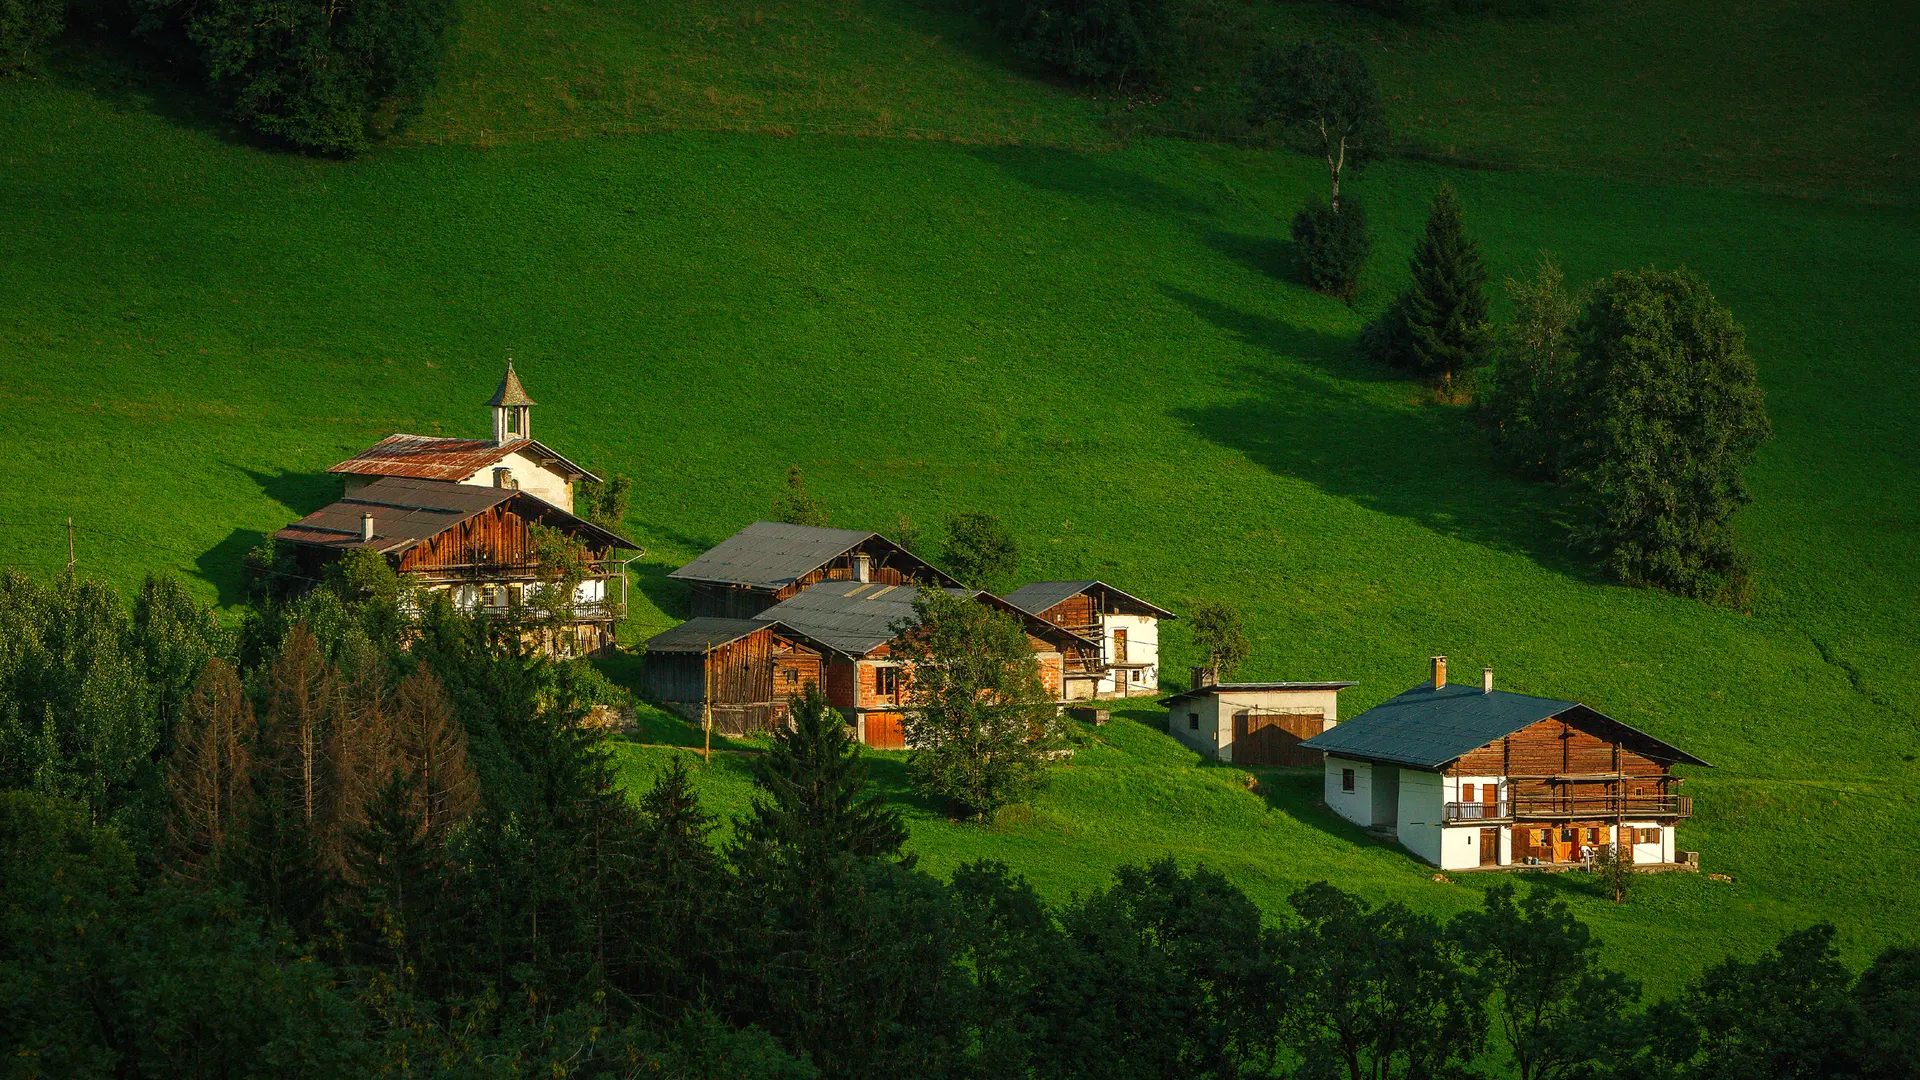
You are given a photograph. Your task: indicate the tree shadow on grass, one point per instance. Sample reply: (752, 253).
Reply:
(224, 565)
(103, 63)
(1085, 176)
(1412, 459)
(1331, 353)
(1273, 256)
(301, 493)
(887, 775)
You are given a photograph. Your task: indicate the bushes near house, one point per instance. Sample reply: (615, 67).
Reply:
(796, 505)
(1529, 404)
(1330, 247)
(983, 725)
(1220, 637)
(980, 551)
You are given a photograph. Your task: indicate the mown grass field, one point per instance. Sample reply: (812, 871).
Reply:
(1102, 345)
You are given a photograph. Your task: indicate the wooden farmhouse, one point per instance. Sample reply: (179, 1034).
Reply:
(1470, 776)
(1127, 628)
(858, 622)
(468, 533)
(769, 562)
(749, 669)
(1255, 724)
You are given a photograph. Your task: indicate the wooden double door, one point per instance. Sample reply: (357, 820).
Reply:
(1264, 739)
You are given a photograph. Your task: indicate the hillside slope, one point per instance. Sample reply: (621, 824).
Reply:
(1105, 348)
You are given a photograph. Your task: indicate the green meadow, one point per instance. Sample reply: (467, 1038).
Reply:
(986, 299)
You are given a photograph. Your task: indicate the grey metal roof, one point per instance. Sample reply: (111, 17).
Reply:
(1254, 688)
(1427, 728)
(851, 617)
(704, 633)
(408, 511)
(1038, 596)
(773, 554)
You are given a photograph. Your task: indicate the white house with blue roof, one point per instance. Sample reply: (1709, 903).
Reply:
(1469, 777)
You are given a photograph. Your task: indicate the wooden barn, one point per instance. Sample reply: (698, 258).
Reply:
(473, 543)
(1127, 628)
(748, 669)
(1470, 776)
(769, 562)
(857, 623)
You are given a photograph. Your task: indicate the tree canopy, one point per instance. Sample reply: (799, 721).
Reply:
(1321, 96)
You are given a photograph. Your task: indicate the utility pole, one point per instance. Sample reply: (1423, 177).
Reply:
(69, 545)
(707, 663)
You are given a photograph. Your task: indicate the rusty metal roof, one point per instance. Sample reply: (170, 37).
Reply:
(510, 392)
(425, 457)
(407, 511)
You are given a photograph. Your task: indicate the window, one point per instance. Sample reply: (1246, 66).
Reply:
(1593, 836)
(790, 676)
(1193, 721)
(1546, 837)
(1137, 673)
(1646, 836)
(1119, 646)
(1466, 793)
(886, 682)
(1346, 779)
(513, 595)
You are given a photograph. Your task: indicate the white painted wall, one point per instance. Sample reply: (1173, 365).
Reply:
(1459, 848)
(1421, 796)
(534, 478)
(1143, 647)
(1659, 852)
(1356, 805)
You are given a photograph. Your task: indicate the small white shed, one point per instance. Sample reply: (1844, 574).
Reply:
(1255, 724)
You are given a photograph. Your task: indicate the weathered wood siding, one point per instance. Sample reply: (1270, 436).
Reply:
(495, 541)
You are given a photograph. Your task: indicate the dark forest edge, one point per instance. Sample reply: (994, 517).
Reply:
(344, 839)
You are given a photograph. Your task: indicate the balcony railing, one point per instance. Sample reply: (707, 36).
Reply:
(1572, 806)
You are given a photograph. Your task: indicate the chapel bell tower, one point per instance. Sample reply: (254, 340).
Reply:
(512, 410)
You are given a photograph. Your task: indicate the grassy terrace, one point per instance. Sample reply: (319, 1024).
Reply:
(1099, 342)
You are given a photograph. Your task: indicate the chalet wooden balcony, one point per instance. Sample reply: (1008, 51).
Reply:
(1571, 807)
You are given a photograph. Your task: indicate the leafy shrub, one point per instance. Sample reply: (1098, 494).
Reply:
(1529, 404)
(979, 550)
(316, 74)
(1331, 246)
(1109, 41)
(796, 506)
(25, 25)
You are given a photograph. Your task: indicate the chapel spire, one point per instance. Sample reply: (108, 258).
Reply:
(512, 410)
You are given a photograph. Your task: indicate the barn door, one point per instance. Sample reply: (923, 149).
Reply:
(884, 732)
(1489, 847)
(1273, 739)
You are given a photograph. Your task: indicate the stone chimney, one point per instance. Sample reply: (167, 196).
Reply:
(1439, 672)
(1203, 677)
(1486, 680)
(862, 567)
(366, 527)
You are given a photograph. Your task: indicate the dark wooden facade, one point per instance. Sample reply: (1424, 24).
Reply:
(752, 680)
(1265, 738)
(1575, 766)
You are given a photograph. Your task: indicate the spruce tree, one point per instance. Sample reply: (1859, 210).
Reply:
(676, 937)
(396, 875)
(811, 811)
(1448, 334)
(209, 781)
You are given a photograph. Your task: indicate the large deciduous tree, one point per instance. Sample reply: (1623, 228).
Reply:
(1321, 96)
(981, 723)
(1671, 413)
(1559, 1010)
(1221, 638)
(979, 550)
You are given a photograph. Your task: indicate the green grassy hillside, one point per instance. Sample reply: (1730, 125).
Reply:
(1102, 346)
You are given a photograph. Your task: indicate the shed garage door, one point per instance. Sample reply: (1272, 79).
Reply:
(1273, 739)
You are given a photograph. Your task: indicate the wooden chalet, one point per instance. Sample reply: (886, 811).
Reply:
(1470, 776)
(748, 669)
(769, 562)
(1127, 628)
(856, 624)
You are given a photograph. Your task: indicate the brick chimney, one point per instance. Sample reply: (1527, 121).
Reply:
(366, 527)
(1439, 672)
(1486, 680)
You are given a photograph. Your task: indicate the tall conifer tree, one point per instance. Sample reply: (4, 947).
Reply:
(208, 773)
(1448, 331)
